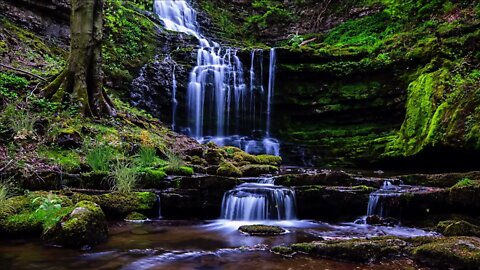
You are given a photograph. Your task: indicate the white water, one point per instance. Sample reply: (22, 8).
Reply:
(219, 102)
(174, 99)
(256, 201)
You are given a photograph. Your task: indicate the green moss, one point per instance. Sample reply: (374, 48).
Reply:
(183, 170)
(121, 204)
(85, 225)
(228, 169)
(304, 247)
(129, 42)
(66, 159)
(256, 170)
(465, 182)
(135, 216)
(458, 228)
(453, 252)
(282, 250)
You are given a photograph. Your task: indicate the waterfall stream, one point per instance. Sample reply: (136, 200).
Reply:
(259, 201)
(220, 106)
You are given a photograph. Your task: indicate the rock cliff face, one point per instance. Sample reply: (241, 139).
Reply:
(358, 83)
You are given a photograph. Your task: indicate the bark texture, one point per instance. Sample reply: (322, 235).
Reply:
(81, 83)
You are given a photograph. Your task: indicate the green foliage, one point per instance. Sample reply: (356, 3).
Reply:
(11, 84)
(48, 210)
(67, 159)
(222, 18)
(123, 177)
(21, 121)
(368, 33)
(175, 160)
(147, 156)
(269, 11)
(465, 182)
(99, 158)
(129, 39)
(296, 40)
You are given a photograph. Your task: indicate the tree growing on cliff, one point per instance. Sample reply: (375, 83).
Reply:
(81, 82)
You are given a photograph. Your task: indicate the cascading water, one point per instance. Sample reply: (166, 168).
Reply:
(259, 201)
(174, 99)
(375, 202)
(220, 105)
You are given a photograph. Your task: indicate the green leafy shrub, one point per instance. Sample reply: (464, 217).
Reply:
(48, 210)
(10, 84)
(99, 158)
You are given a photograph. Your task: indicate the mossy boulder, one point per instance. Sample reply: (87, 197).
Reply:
(85, 226)
(450, 253)
(183, 170)
(261, 230)
(119, 205)
(356, 250)
(135, 216)
(151, 178)
(256, 170)
(228, 169)
(214, 156)
(458, 228)
(283, 251)
(269, 160)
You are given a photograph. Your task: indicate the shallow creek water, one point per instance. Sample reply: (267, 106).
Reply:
(202, 245)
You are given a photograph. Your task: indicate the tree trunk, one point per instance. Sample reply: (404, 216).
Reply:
(81, 83)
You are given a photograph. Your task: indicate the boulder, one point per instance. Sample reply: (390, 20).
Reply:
(85, 226)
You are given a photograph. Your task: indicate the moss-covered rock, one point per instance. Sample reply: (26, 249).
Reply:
(261, 230)
(121, 204)
(84, 226)
(283, 251)
(151, 178)
(450, 253)
(458, 228)
(214, 156)
(358, 250)
(228, 169)
(256, 170)
(135, 216)
(183, 170)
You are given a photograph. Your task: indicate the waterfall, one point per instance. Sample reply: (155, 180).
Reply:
(174, 98)
(259, 201)
(376, 202)
(219, 104)
(271, 86)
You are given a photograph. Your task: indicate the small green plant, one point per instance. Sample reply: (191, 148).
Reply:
(5, 193)
(465, 182)
(48, 210)
(20, 121)
(123, 177)
(99, 158)
(296, 40)
(147, 156)
(175, 161)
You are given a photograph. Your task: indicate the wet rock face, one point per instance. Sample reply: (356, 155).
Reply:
(152, 89)
(320, 202)
(49, 18)
(261, 230)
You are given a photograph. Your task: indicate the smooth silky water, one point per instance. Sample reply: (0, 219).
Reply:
(232, 94)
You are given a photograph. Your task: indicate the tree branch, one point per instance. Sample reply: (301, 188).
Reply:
(23, 72)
